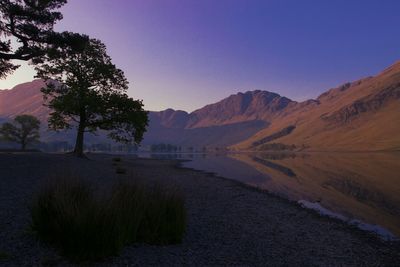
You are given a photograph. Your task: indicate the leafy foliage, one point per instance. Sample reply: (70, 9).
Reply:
(24, 131)
(26, 30)
(90, 93)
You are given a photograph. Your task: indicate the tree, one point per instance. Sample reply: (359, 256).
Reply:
(24, 131)
(26, 31)
(89, 93)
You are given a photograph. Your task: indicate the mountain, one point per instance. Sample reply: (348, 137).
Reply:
(24, 98)
(363, 115)
(241, 107)
(237, 108)
(204, 127)
(224, 123)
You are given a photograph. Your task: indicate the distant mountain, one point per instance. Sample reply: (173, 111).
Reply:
(169, 118)
(361, 115)
(24, 98)
(224, 123)
(197, 129)
(241, 107)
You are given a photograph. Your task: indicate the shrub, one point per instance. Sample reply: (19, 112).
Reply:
(86, 225)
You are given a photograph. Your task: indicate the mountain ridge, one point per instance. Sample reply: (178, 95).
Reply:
(362, 115)
(358, 115)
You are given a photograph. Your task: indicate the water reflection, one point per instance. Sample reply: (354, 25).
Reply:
(363, 187)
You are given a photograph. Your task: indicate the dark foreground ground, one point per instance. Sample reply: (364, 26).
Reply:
(228, 224)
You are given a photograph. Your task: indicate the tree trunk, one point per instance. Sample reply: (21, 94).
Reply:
(78, 151)
(23, 146)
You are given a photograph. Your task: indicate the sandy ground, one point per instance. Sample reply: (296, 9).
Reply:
(228, 223)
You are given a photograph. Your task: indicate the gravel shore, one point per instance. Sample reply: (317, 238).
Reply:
(229, 224)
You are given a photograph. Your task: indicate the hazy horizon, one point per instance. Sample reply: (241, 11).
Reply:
(187, 54)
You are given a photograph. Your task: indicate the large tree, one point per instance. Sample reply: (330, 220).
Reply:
(24, 130)
(86, 90)
(26, 31)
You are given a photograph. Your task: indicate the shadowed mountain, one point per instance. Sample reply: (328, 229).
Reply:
(169, 118)
(252, 105)
(224, 123)
(221, 136)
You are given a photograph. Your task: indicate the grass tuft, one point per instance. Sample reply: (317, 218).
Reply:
(4, 256)
(85, 225)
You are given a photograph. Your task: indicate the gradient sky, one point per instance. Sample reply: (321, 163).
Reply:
(185, 54)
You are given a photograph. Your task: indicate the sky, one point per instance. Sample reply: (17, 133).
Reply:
(184, 54)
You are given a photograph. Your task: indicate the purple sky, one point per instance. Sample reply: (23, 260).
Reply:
(187, 53)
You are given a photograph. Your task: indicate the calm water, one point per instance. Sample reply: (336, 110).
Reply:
(363, 189)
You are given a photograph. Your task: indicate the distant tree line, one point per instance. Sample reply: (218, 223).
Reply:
(165, 148)
(64, 146)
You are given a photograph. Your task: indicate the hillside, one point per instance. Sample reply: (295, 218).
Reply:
(24, 98)
(358, 116)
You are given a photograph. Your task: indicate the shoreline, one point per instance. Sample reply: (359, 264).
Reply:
(229, 223)
(354, 223)
(358, 225)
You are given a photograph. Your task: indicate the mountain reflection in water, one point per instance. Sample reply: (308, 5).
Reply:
(358, 186)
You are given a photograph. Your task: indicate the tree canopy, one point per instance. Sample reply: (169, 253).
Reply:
(26, 31)
(24, 130)
(86, 90)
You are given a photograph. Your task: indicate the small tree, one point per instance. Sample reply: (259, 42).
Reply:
(90, 94)
(24, 131)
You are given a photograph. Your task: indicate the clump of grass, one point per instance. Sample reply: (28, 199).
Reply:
(4, 256)
(84, 225)
(164, 219)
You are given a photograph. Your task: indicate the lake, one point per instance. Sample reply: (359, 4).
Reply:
(360, 188)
